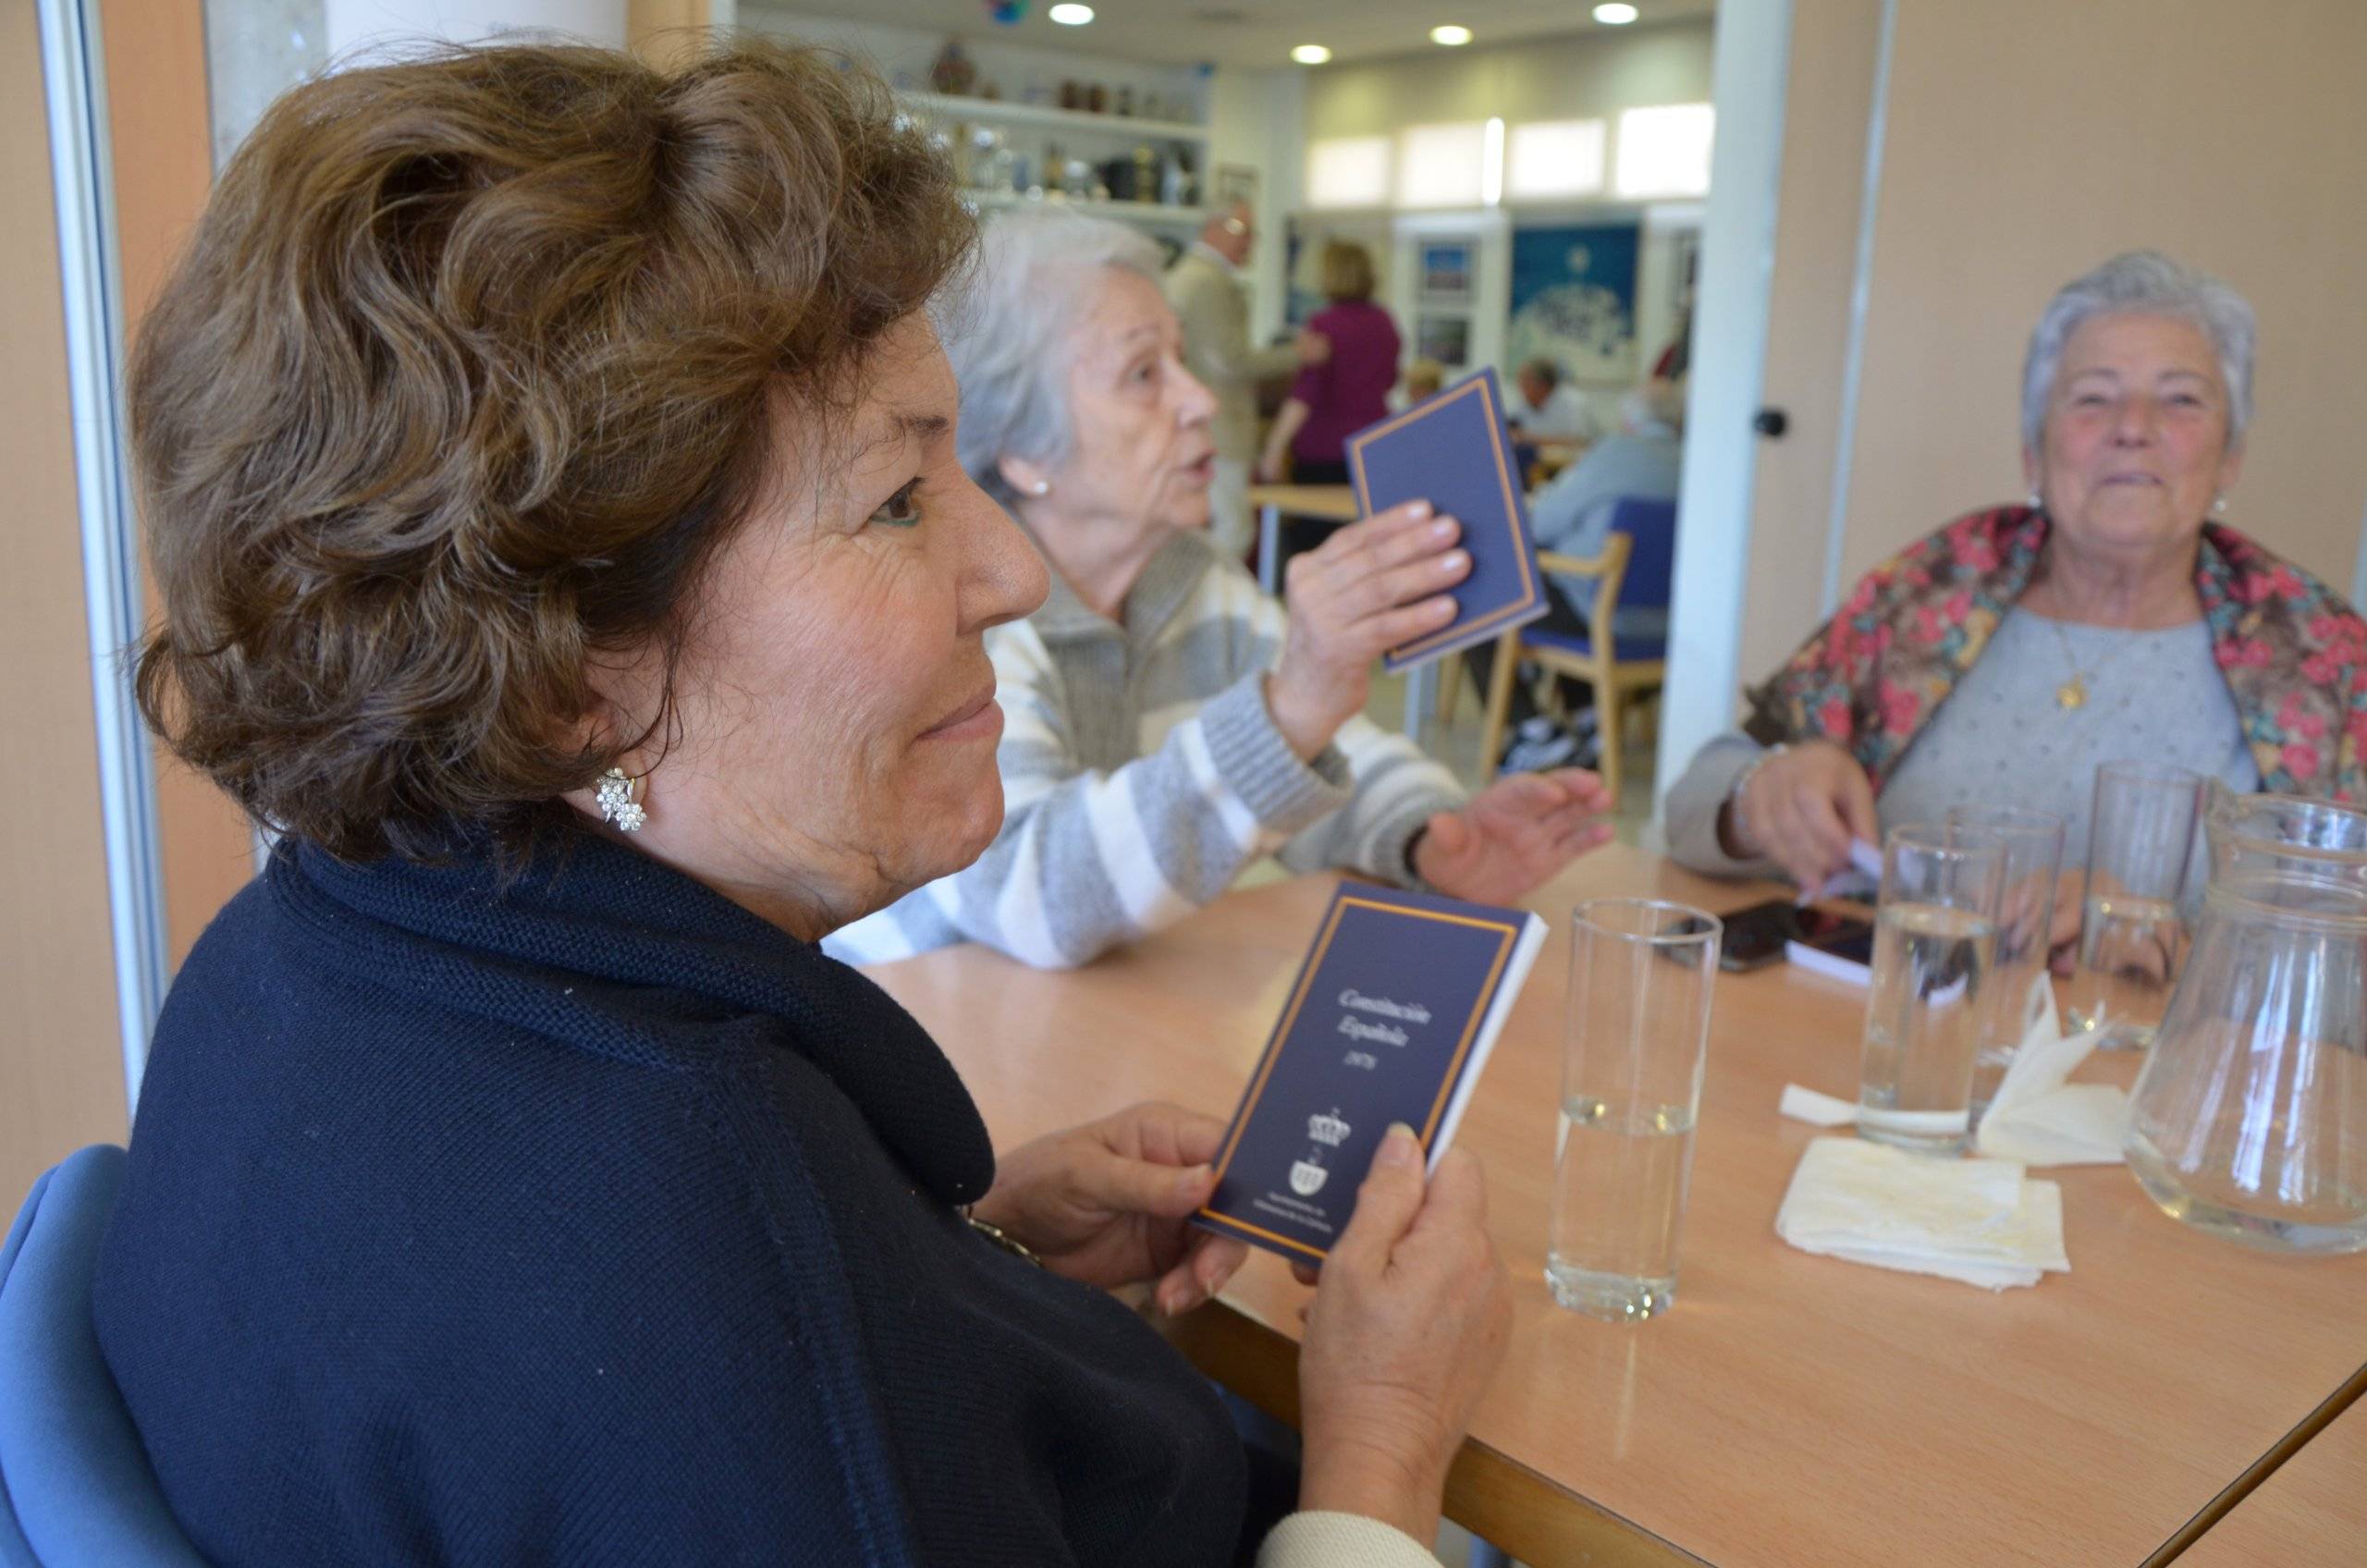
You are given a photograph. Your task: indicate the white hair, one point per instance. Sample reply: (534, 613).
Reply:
(1009, 332)
(2143, 283)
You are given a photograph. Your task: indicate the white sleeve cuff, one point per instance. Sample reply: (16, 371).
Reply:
(1341, 1540)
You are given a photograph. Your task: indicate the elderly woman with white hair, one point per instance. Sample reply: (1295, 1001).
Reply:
(1166, 722)
(2111, 616)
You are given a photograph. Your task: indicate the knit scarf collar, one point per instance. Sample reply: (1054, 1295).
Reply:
(2293, 654)
(604, 947)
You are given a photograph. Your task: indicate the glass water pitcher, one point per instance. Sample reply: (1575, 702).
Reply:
(2287, 835)
(2249, 1118)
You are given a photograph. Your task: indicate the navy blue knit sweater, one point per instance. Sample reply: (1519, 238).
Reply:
(594, 1220)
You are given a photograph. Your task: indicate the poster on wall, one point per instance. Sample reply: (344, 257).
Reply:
(1444, 338)
(1446, 272)
(1573, 299)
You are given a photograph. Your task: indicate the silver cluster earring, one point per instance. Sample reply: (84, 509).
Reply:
(2219, 506)
(1041, 487)
(617, 798)
(2034, 500)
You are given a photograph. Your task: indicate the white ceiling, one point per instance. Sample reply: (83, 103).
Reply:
(1252, 32)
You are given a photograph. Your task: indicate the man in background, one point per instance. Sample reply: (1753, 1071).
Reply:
(1546, 407)
(1205, 288)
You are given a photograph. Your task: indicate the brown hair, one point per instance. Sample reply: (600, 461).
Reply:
(466, 373)
(1345, 272)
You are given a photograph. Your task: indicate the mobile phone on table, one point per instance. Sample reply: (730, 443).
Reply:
(1754, 937)
(1840, 945)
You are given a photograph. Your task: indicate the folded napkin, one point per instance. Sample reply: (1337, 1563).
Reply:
(1977, 1220)
(2039, 1119)
(2036, 1118)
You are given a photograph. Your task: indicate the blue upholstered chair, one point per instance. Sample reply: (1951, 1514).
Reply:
(1634, 572)
(76, 1487)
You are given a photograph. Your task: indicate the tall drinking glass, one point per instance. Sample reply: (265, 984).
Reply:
(2031, 843)
(1935, 937)
(1637, 1030)
(2132, 932)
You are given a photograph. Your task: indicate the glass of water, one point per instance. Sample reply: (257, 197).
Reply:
(2132, 932)
(1638, 1027)
(1935, 939)
(2032, 843)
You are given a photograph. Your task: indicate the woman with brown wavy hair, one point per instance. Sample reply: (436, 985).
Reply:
(551, 475)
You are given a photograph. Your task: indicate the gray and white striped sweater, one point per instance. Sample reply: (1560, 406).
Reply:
(1141, 771)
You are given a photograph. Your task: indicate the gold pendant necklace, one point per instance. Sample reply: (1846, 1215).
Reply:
(2073, 693)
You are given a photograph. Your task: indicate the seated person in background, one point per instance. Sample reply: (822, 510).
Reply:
(1423, 379)
(597, 626)
(2006, 655)
(1167, 722)
(1332, 400)
(1543, 407)
(1571, 515)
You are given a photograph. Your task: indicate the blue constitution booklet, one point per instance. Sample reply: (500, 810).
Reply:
(1452, 451)
(1396, 1009)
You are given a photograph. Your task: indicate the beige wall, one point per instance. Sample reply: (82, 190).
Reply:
(2026, 141)
(156, 105)
(1599, 73)
(61, 1060)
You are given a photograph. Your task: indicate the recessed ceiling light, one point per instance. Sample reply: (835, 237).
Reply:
(1311, 54)
(1451, 36)
(1617, 14)
(1071, 16)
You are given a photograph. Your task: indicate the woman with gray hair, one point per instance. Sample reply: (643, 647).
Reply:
(1166, 722)
(2111, 616)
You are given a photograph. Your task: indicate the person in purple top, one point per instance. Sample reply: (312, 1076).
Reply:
(1331, 401)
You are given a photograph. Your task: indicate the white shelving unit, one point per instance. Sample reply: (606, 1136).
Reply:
(1035, 126)
(1142, 211)
(994, 111)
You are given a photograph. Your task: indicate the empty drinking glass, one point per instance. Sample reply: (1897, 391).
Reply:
(2032, 843)
(2132, 933)
(1935, 938)
(1637, 1030)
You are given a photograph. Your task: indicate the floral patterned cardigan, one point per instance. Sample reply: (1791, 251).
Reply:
(2293, 651)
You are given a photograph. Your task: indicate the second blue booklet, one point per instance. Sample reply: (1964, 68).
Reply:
(1394, 1013)
(1453, 451)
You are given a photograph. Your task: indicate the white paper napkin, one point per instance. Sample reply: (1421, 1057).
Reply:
(2039, 1119)
(1977, 1220)
(2036, 1118)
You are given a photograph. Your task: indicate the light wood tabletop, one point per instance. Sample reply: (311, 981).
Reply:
(1333, 503)
(2311, 1514)
(1790, 1409)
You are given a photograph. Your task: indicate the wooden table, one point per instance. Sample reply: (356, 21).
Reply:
(1333, 503)
(1553, 457)
(1790, 1409)
(2311, 1514)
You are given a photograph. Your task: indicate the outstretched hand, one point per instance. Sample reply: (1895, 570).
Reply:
(1511, 837)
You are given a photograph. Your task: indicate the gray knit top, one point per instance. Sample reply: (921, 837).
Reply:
(2002, 737)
